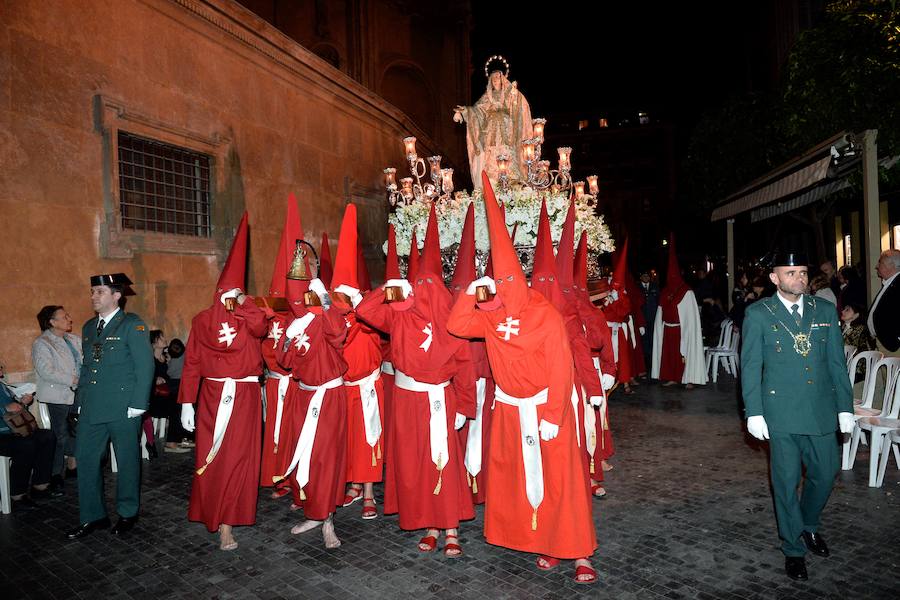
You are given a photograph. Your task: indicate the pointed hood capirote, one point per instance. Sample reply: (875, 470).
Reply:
(391, 264)
(620, 267)
(412, 264)
(512, 288)
(673, 272)
(581, 265)
(544, 278)
(345, 266)
(464, 273)
(234, 273)
(293, 231)
(565, 254)
(430, 262)
(325, 262)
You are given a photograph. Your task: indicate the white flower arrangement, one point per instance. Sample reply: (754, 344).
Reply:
(523, 206)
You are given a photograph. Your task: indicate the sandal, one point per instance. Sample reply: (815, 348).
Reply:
(427, 544)
(368, 510)
(606, 466)
(348, 499)
(452, 549)
(280, 492)
(546, 563)
(597, 491)
(585, 575)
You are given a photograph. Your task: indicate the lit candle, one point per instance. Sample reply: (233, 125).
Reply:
(579, 189)
(543, 167)
(406, 187)
(409, 145)
(592, 185)
(447, 180)
(538, 126)
(564, 157)
(435, 162)
(503, 164)
(528, 150)
(390, 178)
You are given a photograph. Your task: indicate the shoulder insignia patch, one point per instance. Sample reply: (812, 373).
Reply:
(140, 327)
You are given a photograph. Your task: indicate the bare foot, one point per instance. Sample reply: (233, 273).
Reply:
(226, 538)
(329, 535)
(304, 526)
(669, 383)
(689, 386)
(605, 466)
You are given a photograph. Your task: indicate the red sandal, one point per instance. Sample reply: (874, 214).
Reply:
(595, 488)
(280, 492)
(546, 563)
(348, 499)
(429, 542)
(585, 575)
(452, 549)
(369, 511)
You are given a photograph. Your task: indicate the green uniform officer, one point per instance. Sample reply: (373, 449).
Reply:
(113, 390)
(796, 394)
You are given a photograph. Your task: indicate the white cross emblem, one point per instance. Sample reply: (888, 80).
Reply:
(227, 334)
(510, 327)
(276, 332)
(303, 342)
(427, 343)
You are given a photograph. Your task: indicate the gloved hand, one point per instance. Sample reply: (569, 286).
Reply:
(597, 401)
(460, 421)
(757, 427)
(187, 417)
(316, 285)
(607, 381)
(298, 325)
(548, 430)
(846, 422)
(614, 295)
(642, 330)
(400, 283)
(232, 293)
(479, 282)
(134, 412)
(350, 292)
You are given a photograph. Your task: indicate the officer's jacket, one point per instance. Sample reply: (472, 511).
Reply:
(795, 393)
(117, 369)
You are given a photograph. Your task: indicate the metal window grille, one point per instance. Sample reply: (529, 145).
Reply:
(163, 188)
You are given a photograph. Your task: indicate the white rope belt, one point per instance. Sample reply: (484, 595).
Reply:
(387, 367)
(437, 424)
(531, 445)
(223, 415)
(473, 442)
(368, 396)
(283, 382)
(666, 324)
(303, 449)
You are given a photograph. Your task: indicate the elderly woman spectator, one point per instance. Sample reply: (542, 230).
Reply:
(32, 455)
(820, 287)
(56, 356)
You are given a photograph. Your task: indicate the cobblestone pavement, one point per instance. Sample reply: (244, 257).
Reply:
(689, 515)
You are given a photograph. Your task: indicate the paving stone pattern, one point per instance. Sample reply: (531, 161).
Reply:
(689, 515)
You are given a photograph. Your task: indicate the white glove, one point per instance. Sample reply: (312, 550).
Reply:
(757, 427)
(400, 283)
(548, 430)
(597, 401)
(350, 292)
(187, 417)
(607, 381)
(298, 325)
(642, 330)
(460, 421)
(316, 285)
(846, 422)
(479, 282)
(232, 293)
(134, 412)
(614, 295)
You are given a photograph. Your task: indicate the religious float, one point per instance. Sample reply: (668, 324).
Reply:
(505, 141)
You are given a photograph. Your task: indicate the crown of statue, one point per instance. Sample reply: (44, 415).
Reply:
(496, 63)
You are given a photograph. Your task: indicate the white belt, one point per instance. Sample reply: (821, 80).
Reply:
(531, 445)
(614, 329)
(283, 382)
(387, 367)
(437, 424)
(590, 430)
(665, 324)
(631, 331)
(303, 449)
(473, 443)
(575, 400)
(368, 396)
(223, 415)
(602, 412)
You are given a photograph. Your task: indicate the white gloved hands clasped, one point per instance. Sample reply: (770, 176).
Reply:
(757, 427)
(400, 283)
(350, 292)
(134, 412)
(548, 430)
(607, 381)
(597, 401)
(187, 417)
(846, 422)
(460, 421)
(489, 282)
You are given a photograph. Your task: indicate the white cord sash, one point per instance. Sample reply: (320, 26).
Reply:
(387, 367)
(473, 442)
(283, 382)
(437, 424)
(368, 396)
(223, 414)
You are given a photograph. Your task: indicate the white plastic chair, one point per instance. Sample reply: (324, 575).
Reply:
(881, 425)
(728, 356)
(864, 406)
(869, 358)
(725, 328)
(891, 440)
(5, 487)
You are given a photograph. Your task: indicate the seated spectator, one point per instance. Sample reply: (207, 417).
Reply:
(32, 455)
(820, 287)
(856, 333)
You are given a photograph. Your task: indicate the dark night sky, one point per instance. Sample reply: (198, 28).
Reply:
(672, 59)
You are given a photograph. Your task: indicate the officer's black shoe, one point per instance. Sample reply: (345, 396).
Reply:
(48, 492)
(816, 544)
(57, 482)
(795, 567)
(24, 503)
(71, 473)
(88, 528)
(123, 525)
